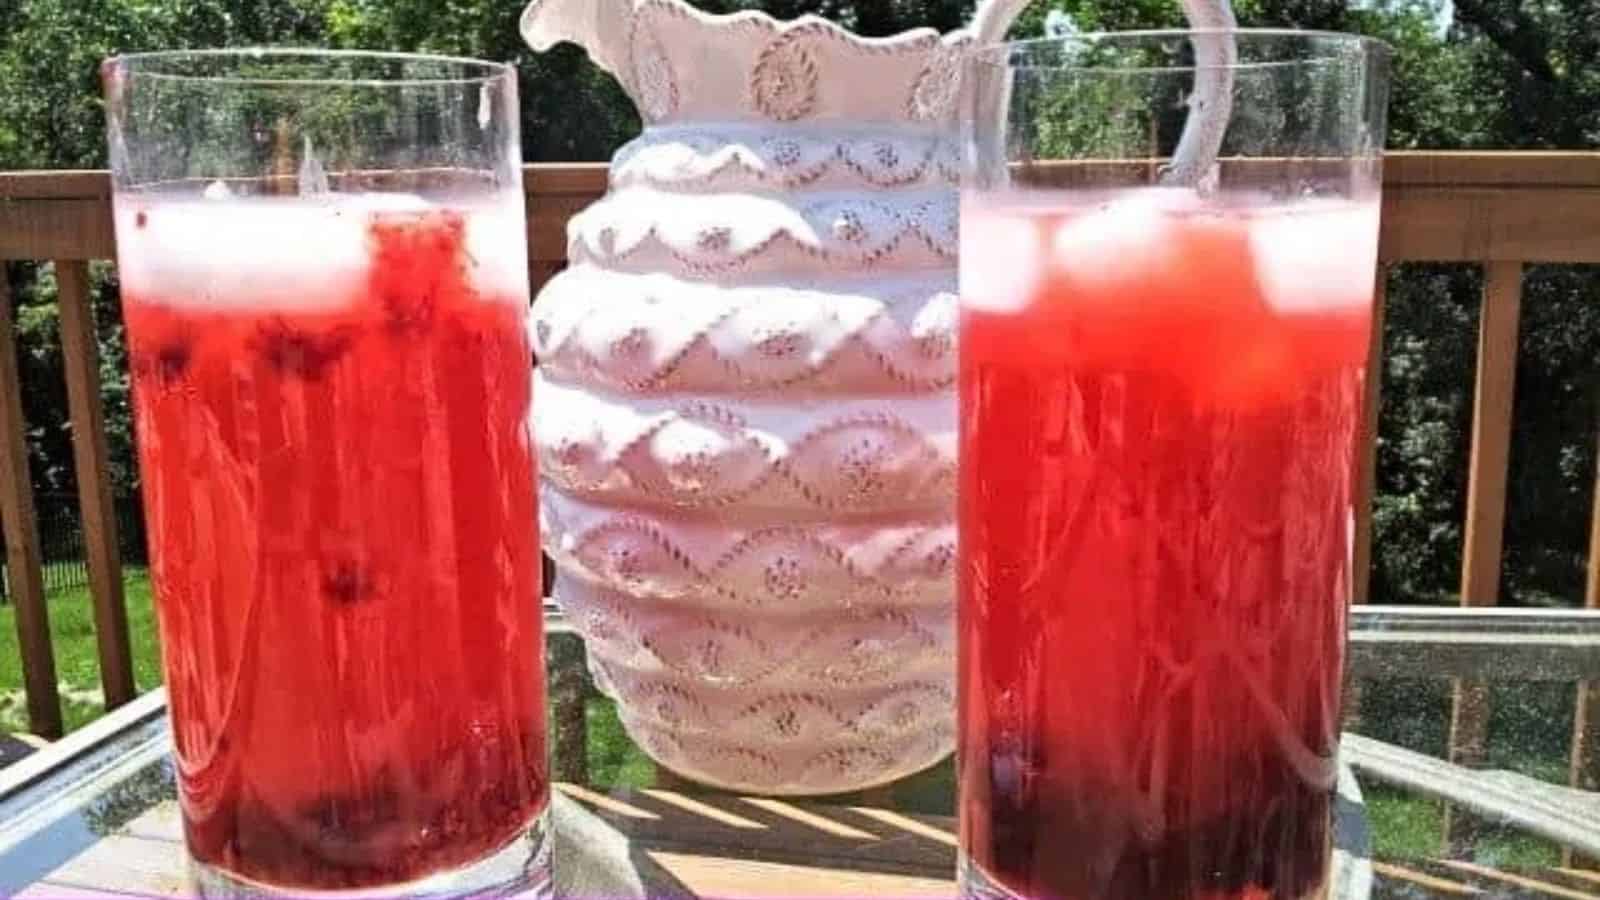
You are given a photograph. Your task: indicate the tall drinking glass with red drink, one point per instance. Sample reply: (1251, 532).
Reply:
(323, 269)
(1164, 337)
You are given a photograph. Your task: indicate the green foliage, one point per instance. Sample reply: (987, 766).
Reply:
(1430, 336)
(1095, 118)
(1537, 68)
(50, 54)
(77, 654)
(1404, 826)
(1552, 438)
(614, 760)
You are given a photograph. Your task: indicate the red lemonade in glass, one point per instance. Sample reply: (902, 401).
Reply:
(332, 396)
(1161, 399)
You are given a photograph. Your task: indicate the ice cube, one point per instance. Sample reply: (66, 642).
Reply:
(281, 253)
(1002, 259)
(1130, 239)
(1316, 256)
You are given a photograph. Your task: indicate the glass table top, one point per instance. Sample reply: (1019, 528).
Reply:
(1496, 816)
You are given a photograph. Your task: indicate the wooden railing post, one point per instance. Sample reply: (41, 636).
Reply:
(541, 271)
(1592, 593)
(80, 347)
(1491, 433)
(22, 538)
(1486, 506)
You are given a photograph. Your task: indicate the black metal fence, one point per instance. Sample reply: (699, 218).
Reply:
(61, 541)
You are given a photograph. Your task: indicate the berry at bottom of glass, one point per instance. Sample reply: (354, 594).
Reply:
(1161, 396)
(332, 397)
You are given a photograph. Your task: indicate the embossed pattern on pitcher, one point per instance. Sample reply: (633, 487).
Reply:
(746, 416)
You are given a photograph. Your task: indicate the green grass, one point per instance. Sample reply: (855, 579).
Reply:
(1403, 826)
(1506, 848)
(614, 760)
(77, 657)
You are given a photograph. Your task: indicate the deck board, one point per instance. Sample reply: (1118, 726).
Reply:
(1513, 880)
(790, 832)
(1435, 885)
(122, 864)
(738, 879)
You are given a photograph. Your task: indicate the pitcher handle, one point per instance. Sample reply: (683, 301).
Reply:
(1211, 103)
(994, 19)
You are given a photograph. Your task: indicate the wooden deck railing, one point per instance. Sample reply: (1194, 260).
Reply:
(1503, 211)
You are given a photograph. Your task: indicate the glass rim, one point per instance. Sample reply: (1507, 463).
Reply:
(147, 64)
(998, 55)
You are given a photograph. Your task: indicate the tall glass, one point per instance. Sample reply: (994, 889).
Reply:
(324, 280)
(1167, 278)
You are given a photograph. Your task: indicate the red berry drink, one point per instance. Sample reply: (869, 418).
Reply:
(332, 397)
(1161, 397)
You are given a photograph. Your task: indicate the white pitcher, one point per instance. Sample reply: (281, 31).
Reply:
(745, 407)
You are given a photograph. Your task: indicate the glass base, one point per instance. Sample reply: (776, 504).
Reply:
(521, 869)
(973, 884)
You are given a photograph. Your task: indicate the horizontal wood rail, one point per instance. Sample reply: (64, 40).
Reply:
(1438, 207)
(1504, 211)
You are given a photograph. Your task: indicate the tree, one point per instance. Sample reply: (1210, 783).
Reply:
(1539, 65)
